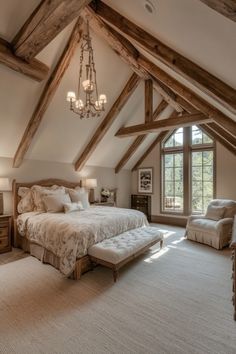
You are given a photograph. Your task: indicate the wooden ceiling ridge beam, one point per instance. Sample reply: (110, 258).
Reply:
(48, 92)
(104, 126)
(127, 52)
(139, 140)
(213, 134)
(34, 69)
(148, 100)
(201, 78)
(44, 24)
(226, 8)
(163, 124)
(190, 96)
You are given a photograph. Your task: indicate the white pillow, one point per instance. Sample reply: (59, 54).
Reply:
(70, 207)
(26, 204)
(54, 203)
(39, 191)
(215, 212)
(80, 195)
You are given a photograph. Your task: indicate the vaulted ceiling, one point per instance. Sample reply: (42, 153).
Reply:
(189, 27)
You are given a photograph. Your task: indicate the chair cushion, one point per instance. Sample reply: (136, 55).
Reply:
(203, 224)
(230, 206)
(215, 212)
(119, 248)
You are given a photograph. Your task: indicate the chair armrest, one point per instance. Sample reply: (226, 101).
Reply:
(192, 217)
(225, 221)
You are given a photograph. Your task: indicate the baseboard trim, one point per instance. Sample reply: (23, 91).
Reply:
(169, 220)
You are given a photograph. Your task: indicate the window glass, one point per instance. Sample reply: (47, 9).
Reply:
(173, 182)
(199, 166)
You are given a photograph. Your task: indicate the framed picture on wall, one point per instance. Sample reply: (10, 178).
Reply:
(145, 180)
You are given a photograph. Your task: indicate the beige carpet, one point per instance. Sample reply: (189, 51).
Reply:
(174, 301)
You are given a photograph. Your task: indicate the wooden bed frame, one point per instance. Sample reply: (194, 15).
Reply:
(83, 264)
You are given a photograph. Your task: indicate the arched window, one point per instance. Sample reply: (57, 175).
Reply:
(188, 177)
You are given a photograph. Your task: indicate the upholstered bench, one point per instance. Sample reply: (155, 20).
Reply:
(119, 250)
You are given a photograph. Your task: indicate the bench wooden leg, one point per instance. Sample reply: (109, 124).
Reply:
(115, 274)
(161, 244)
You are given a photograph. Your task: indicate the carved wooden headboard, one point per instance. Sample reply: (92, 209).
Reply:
(45, 183)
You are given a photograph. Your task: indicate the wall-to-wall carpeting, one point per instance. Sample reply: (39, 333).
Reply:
(174, 301)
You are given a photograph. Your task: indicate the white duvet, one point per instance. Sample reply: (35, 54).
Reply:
(70, 235)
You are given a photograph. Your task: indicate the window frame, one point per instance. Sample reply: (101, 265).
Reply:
(187, 148)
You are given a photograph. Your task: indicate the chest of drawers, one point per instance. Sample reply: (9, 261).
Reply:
(5, 233)
(142, 203)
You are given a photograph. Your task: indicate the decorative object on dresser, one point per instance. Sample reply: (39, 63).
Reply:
(91, 183)
(142, 203)
(233, 246)
(4, 187)
(145, 180)
(108, 196)
(5, 233)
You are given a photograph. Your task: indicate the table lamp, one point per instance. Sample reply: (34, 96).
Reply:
(4, 187)
(91, 183)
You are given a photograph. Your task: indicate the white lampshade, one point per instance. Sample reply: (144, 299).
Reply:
(71, 97)
(91, 183)
(4, 184)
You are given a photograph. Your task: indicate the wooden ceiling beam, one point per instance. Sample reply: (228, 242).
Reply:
(220, 131)
(34, 69)
(167, 94)
(122, 47)
(44, 24)
(226, 8)
(48, 93)
(213, 134)
(138, 141)
(160, 108)
(199, 103)
(127, 52)
(148, 95)
(108, 120)
(130, 152)
(198, 76)
(159, 138)
(185, 120)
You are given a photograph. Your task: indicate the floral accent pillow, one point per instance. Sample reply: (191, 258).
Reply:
(54, 203)
(70, 207)
(26, 204)
(38, 192)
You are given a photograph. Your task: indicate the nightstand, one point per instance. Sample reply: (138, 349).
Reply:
(5, 233)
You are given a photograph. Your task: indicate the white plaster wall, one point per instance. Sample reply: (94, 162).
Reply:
(35, 170)
(225, 175)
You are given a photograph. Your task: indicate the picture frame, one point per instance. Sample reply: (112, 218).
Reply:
(145, 180)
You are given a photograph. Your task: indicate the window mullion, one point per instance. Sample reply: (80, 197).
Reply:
(186, 166)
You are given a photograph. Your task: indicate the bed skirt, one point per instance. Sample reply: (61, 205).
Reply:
(45, 256)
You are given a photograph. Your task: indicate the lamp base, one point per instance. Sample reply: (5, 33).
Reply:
(91, 196)
(1, 203)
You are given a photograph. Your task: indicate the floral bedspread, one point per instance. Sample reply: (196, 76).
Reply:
(70, 235)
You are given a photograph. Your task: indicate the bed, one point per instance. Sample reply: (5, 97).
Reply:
(62, 240)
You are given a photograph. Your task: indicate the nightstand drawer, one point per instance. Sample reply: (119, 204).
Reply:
(3, 232)
(4, 242)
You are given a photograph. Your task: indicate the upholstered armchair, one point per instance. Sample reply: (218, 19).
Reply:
(215, 227)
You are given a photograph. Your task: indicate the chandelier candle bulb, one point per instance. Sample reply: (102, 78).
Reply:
(103, 98)
(71, 97)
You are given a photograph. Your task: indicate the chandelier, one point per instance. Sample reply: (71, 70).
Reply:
(92, 104)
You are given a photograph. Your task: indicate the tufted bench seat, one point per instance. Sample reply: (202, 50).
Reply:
(119, 250)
